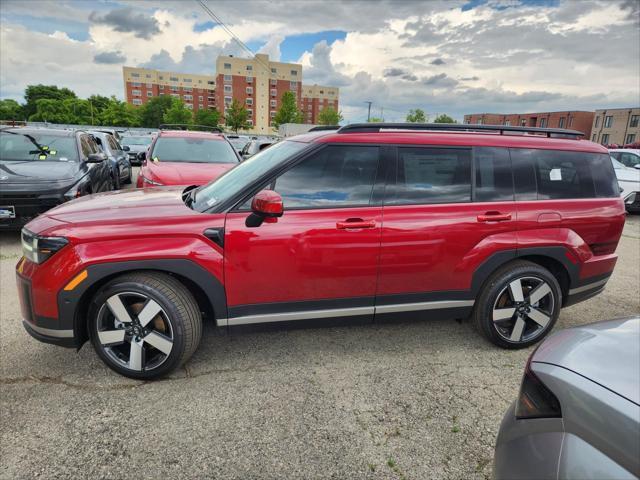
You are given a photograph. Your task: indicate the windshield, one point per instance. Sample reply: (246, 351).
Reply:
(136, 140)
(238, 143)
(33, 146)
(193, 150)
(229, 184)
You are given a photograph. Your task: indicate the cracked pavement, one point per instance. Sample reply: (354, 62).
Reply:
(414, 400)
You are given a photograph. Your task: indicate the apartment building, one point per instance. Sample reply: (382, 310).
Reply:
(573, 120)
(617, 126)
(316, 98)
(196, 91)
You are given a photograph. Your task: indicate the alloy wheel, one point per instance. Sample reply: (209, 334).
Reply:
(134, 331)
(523, 309)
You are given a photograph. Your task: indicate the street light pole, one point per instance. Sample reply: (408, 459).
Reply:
(369, 112)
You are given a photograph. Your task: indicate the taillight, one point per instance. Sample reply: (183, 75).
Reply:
(535, 399)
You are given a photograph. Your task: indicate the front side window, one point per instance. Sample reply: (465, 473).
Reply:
(432, 175)
(193, 150)
(629, 159)
(337, 176)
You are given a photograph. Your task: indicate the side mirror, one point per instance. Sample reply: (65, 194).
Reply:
(126, 148)
(266, 205)
(637, 165)
(142, 156)
(96, 157)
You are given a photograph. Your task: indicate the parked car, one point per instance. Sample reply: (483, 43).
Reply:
(179, 157)
(255, 146)
(118, 158)
(374, 220)
(111, 131)
(133, 145)
(578, 412)
(238, 142)
(629, 157)
(629, 181)
(41, 168)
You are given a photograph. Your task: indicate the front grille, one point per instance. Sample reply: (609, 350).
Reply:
(28, 205)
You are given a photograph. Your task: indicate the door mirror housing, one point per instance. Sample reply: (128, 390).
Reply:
(126, 148)
(96, 157)
(142, 156)
(266, 206)
(637, 165)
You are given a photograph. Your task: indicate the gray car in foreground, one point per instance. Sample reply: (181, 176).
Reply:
(578, 412)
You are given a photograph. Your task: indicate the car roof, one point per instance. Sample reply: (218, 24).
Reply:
(462, 139)
(190, 134)
(632, 150)
(607, 353)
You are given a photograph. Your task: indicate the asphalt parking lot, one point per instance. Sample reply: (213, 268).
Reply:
(412, 400)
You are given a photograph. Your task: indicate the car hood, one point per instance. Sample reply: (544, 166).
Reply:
(138, 148)
(40, 171)
(607, 353)
(184, 173)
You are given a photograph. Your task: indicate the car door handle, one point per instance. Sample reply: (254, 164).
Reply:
(494, 217)
(355, 223)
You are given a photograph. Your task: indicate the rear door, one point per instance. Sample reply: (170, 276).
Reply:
(447, 211)
(320, 258)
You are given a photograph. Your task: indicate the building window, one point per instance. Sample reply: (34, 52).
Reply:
(187, 89)
(605, 139)
(227, 89)
(561, 122)
(173, 79)
(161, 87)
(631, 138)
(211, 82)
(294, 73)
(250, 122)
(273, 103)
(543, 122)
(137, 101)
(249, 90)
(250, 111)
(249, 67)
(597, 122)
(175, 95)
(136, 75)
(272, 113)
(149, 94)
(136, 84)
(293, 86)
(148, 75)
(227, 78)
(274, 71)
(249, 101)
(249, 79)
(137, 93)
(570, 122)
(188, 98)
(608, 121)
(274, 92)
(161, 77)
(200, 98)
(227, 66)
(189, 106)
(187, 80)
(523, 122)
(228, 100)
(635, 119)
(593, 137)
(149, 85)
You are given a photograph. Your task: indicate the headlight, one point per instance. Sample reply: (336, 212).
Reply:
(76, 190)
(37, 249)
(150, 182)
(535, 399)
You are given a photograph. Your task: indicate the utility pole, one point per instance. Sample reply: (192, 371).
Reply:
(369, 112)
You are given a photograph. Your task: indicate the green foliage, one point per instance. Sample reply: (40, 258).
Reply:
(328, 116)
(119, 114)
(416, 116)
(444, 118)
(288, 112)
(376, 120)
(152, 112)
(209, 118)
(236, 116)
(33, 93)
(178, 113)
(100, 102)
(11, 110)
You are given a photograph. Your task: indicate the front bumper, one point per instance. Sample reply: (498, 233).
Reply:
(26, 207)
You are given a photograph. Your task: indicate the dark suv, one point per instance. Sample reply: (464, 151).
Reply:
(41, 168)
(503, 224)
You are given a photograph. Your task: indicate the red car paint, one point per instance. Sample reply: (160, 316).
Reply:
(153, 173)
(327, 254)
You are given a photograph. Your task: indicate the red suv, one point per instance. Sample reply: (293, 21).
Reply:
(180, 157)
(504, 224)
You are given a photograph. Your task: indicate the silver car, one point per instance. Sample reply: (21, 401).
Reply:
(578, 412)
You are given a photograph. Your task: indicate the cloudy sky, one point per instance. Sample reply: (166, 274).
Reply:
(444, 56)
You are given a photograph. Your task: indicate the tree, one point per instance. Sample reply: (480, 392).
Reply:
(33, 93)
(50, 110)
(119, 114)
(376, 120)
(416, 116)
(444, 118)
(209, 118)
(288, 112)
(11, 110)
(236, 116)
(178, 113)
(152, 113)
(328, 116)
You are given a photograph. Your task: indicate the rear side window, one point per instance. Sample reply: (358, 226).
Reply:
(493, 175)
(553, 174)
(337, 176)
(432, 175)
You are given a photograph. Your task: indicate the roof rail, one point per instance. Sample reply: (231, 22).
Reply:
(321, 128)
(459, 127)
(186, 126)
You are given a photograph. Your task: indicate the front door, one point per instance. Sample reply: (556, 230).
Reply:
(319, 259)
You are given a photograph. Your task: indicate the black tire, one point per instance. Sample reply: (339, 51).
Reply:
(496, 300)
(178, 322)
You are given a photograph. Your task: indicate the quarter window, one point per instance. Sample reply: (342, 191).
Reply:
(432, 175)
(338, 176)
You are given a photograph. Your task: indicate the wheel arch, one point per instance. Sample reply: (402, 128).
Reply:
(206, 289)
